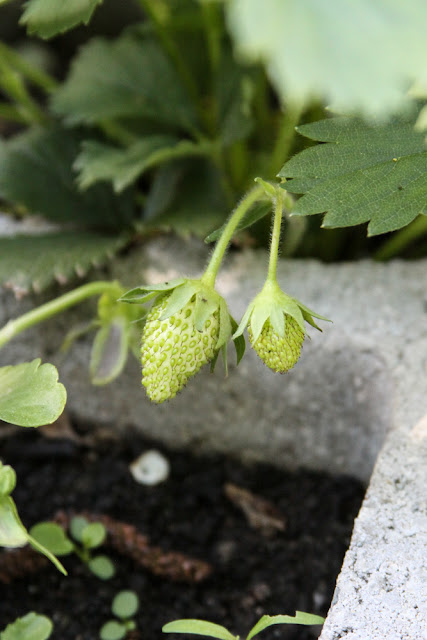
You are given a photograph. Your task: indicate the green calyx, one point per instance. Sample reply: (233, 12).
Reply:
(276, 326)
(185, 329)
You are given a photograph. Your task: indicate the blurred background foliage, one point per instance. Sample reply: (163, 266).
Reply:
(145, 122)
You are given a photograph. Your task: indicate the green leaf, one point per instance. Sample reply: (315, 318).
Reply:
(314, 49)
(109, 351)
(12, 531)
(53, 537)
(36, 172)
(32, 263)
(46, 18)
(30, 394)
(30, 627)
(144, 293)
(363, 173)
(239, 342)
(128, 77)
(258, 211)
(299, 618)
(77, 525)
(93, 535)
(112, 630)
(199, 627)
(122, 167)
(235, 90)
(125, 604)
(187, 198)
(102, 567)
(7, 480)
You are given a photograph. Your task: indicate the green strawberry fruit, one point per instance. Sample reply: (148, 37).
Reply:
(173, 350)
(279, 353)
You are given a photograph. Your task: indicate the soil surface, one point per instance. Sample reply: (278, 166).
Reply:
(273, 551)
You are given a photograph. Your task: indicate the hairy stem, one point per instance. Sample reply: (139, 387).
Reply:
(52, 308)
(245, 204)
(275, 237)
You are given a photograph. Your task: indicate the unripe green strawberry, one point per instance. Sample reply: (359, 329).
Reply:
(276, 328)
(279, 353)
(173, 349)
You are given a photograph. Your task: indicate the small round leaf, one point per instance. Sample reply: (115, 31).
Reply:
(93, 535)
(102, 567)
(53, 537)
(125, 604)
(30, 627)
(112, 630)
(77, 525)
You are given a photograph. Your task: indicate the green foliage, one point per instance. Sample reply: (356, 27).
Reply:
(42, 17)
(93, 535)
(112, 630)
(53, 537)
(363, 173)
(30, 627)
(30, 394)
(12, 531)
(88, 536)
(314, 49)
(130, 77)
(31, 263)
(36, 172)
(124, 606)
(204, 628)
(102, 567)
(101, 162)
(187, 198)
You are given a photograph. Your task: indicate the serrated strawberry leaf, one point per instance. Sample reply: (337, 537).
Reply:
(101, 162)
(127, 77)
(32, 263)
(47, 18)
(36, 172)
(363, 173)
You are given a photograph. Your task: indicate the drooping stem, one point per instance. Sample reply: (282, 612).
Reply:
(52, 308)
(275, 237)
(212, 269)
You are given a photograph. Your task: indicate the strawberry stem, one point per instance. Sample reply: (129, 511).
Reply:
(51, 308)
(245, 204)
(275, 237)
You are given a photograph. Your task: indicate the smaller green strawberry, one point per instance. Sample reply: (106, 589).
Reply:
(276, 327)
(184, 330)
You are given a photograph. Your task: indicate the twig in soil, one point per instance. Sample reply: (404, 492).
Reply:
(260, 513)
(124, 538)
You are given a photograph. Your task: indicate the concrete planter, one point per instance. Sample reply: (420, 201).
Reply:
(355, 403)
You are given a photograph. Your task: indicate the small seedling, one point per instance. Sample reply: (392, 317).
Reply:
(86, 536)
(124, 607)
(30, 627)
(212, 630)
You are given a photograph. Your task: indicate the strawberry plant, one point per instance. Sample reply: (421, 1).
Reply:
(165, 126)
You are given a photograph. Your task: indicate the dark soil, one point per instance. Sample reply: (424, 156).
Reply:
(252, 573)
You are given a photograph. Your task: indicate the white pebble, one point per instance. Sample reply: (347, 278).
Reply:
(150, 468)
